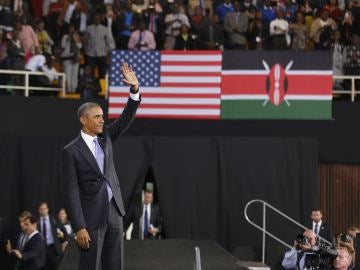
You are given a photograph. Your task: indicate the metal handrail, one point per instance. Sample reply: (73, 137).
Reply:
(197, 265)
(263, 227)
(351, 92)
(27, 86)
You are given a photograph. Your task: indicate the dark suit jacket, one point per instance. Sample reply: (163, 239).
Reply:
(204, 37)
(155, 220)
(85, 185)
(325, 231)
(54, 224)
(33, 254)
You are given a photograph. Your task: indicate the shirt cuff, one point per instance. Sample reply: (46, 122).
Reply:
(135, 97)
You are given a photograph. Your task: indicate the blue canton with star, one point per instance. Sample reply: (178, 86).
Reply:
(145, 64)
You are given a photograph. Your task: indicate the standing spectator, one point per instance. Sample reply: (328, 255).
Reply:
(352, 61)
(124, 24)
(334, 11)
(268, 13)
(45, 41)
(236, 25)
(321, 31)
(185, 41)
(155, 22)
(63, 219)
(27, 38)
(70, 55)
(346, 27)
(290, 8)
(249, 9)
(32, 256)
(79, 17)
(339, 52)
(298, 32)
(98, 45)
(223, 9)
(306, 9)
(198, 20)
(55, 237)
(16, 57)
(147, 219)
(7, 18)
(173, 22)
(279, 31)
(319, 226)
(206, 7)
(258, 33)
(142, 39)
(21, 239)
(211, 34)
(89, 85)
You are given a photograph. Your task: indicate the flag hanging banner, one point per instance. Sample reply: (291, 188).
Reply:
(276, 85)
(226, 85)
(173, 84)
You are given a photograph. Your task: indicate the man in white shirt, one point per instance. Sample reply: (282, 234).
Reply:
(43, 63)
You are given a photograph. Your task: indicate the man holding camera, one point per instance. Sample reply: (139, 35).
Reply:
(295, 258)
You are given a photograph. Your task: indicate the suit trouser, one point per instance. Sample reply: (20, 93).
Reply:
(52, 258)
(106, 250)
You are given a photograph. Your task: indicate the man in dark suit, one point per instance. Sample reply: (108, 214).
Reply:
(147, 220)
(92, 189)
(54, 235)
(319, 226)
(211, 34)
(32, 256)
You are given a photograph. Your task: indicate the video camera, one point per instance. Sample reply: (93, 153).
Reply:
(320, 256)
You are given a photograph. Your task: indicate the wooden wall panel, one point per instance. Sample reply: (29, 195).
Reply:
(340, 195)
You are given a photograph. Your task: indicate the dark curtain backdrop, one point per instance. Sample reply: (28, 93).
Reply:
(202, 183)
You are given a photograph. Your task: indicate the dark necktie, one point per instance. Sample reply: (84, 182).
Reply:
(316, 229)
(43, 230)
(211, 33)
(146, 223)
(22, 241)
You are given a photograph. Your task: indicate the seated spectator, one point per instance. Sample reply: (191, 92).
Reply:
(299, 34)
(258, 33)
(33, 255)
(343, 261)
(236, 26)
(211, 35)
(279, 31)
(45, 41)
(89, 85)
(70, 56)
(185, 41)
(142, 39)
(321, 31)
(173, 23)
(43, 63)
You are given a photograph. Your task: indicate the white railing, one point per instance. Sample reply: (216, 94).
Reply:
(263, 228)
(27, 88)
(352, 91)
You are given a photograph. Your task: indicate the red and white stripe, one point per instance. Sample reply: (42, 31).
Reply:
(190, 87)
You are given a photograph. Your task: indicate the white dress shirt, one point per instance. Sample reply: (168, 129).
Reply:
(32, 234)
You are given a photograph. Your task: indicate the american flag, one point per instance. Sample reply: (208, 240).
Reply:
(173, 84)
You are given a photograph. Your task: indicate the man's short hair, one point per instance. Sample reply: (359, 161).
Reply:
(148, 191)
(85, 108)
(42, 203)
(31, 219)
(25, 214)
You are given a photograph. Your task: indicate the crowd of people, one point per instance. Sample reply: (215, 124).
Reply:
(77, 36)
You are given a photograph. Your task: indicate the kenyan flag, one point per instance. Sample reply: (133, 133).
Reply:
(276, 85)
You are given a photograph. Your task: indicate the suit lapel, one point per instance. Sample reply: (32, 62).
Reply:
(85, 151)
